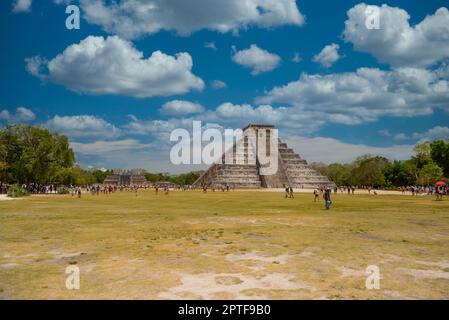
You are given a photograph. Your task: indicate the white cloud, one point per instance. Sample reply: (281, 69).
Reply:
(83, 126)
(328, 56)
(21, 115)
(435, 133)
(99, 147)
(159, 129)
(180, 108)
(397, 42)
(21, 6)
(432, 134)
(400, 136)
(329, 150)
(257, 59)
(247, 112)
(363, 96)
(114, 66)
(211, 45)
(135, 18)
(218, 84)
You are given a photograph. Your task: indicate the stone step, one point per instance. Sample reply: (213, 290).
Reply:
(237, 174)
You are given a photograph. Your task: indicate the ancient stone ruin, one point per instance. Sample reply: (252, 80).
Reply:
(241, 166)
(125, 178)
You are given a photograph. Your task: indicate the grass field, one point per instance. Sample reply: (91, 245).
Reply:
(232, 245)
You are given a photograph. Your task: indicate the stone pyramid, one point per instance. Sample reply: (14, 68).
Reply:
(244, 170)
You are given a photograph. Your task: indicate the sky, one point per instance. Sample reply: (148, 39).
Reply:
(336, 81)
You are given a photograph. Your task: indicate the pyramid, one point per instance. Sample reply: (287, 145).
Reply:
(240, 167)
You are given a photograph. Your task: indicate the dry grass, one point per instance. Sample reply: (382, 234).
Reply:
(224, 245)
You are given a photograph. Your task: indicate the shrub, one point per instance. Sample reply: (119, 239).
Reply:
(16, 191)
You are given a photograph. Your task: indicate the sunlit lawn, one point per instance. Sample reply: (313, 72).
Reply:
(224, 245)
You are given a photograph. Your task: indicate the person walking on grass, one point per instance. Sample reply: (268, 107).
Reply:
(327, 199)
(316, 193)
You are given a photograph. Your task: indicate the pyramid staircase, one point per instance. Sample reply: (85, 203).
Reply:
(244, 171)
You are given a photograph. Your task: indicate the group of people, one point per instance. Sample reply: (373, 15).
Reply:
(223, 188)
(289, 192)
(326, 192)
(439, 191)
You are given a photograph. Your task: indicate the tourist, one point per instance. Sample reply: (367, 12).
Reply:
(439, 192)
(316, 193)
(327, 199)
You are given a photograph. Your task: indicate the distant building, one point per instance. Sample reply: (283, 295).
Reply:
(125, 178)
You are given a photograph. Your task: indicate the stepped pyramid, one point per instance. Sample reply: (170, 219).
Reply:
(241, 167)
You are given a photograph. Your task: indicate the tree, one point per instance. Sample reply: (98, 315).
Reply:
(399, 174)
(368, 171)
(440, 155)
(429, 174)
(33, 154)
(340, 174)
(100, 175)
(422, 154)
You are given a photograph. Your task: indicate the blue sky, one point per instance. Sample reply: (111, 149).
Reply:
(354, 91)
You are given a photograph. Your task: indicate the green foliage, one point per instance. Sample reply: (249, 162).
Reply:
(99, 175)
(33, 154)
(368, 171)
(429, 174)
(399, 174)
(182, 179)
(422, 154)
(340, 174)
(155, 177)
(16, 191)
(440, 155)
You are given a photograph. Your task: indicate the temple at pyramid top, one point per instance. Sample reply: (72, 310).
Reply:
(245, 165)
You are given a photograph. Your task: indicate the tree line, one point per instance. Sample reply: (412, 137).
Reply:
(31, 154)
(34, 155)
(429, 164)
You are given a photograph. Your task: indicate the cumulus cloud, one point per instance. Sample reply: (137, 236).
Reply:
(363, 96)
(21, 6)
(329, 150)
(397, 42)
(20, 115)
(218, 84)
(257, 59)
(98, 147)
(83, 126)
(135, 18)
(435, 133)
(180, 108)
(328, 56)
(247, 112)
(114, 66)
